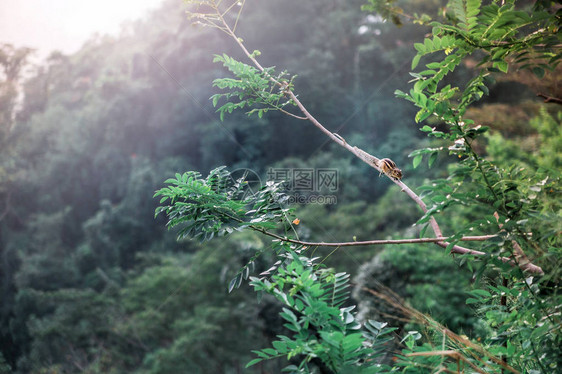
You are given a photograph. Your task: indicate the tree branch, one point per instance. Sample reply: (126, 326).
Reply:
(374, 242)
(369, 159)
(550, 99)
(291, 114)
(440, 241)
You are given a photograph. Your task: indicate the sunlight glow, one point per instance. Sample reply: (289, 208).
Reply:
(65, 24)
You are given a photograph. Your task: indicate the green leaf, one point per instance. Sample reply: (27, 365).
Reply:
(253, 362)
(510, 349)
(232, 284)
(415, 61)
(502, 66)
(270, 351)
(432, 158)
(422, 114)
(420, 47)
(417, 160)
(439, 198)
(281, 347)
(261, 354)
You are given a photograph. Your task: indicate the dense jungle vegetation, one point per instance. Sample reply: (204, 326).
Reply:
(91, 282)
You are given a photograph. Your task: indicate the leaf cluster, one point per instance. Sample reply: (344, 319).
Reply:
(218, 205)
(521, 324)
(503, 33)
(324, 331)
(251, 88)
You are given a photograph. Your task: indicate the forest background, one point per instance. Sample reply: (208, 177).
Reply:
(91, 282)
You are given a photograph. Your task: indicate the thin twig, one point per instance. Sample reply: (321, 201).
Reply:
(441, 241)
(374, 242)
(291, 114)
(238, 16)
(228, 10)
(550, 99)
(369, 242)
